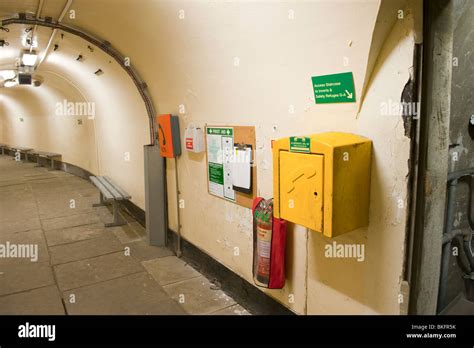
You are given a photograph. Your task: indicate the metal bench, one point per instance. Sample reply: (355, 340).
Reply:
(48, 155)
(110, 192)
(22, 150)
(4, 147)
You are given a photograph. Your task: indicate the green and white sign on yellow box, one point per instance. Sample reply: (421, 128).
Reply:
(300, 144)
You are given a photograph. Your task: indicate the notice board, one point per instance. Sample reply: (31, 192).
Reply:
(220, 142)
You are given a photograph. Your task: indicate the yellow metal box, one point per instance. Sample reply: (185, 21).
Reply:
(323, 181)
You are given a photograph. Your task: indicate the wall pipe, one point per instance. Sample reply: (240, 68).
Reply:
(449, 234)
(463, 258)
(107, 48)
(53, 34)
(38, 14)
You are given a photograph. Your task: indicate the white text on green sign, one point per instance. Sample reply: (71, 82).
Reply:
(336, 88)
(300, 144)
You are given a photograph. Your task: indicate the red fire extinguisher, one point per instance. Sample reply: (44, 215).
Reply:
(269, 241)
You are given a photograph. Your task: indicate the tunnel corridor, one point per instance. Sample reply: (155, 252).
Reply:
(258, 160)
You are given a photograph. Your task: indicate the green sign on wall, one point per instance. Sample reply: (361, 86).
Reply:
(336, 88)
(220, 146)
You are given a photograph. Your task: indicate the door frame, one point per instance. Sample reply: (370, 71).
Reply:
(433, 156)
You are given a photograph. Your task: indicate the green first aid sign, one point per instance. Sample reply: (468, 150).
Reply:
(336, 88)
(220, 131)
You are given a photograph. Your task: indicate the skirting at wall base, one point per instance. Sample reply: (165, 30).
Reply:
(246, 294)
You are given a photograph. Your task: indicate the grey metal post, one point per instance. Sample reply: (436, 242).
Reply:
(178, 232)
(155, 196)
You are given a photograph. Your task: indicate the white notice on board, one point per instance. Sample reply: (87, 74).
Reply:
(220, 145)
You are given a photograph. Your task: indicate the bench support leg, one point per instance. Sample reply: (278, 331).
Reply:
(52, 165)
(118, 220)
(102, 202)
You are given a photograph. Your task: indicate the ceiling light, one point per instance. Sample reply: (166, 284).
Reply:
(29, 59)
(7, 74)
(10, 83)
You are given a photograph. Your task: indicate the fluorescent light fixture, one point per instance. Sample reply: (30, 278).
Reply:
(10, 83)
(29, 59)
(7, 74)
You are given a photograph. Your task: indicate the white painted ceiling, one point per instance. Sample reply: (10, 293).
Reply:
(70, 47)
(17, 34)
(51, 8)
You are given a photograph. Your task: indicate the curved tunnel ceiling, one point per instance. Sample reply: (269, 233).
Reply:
(66, 57)
(120, 125)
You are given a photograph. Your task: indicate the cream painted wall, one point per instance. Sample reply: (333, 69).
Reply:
(193, 47)
(277, 59)
(2, 119)
(373, 286)
(121, 122)
(29, 119)
(186, 52)
(191, 50)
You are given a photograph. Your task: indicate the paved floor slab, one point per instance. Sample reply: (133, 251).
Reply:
(130, 295)
(86, 249)
(86, 272)
(197, 297)
(19, 225)
(168, 270)
(43, 301)
(22, 277)
(75, 234)
(142, 251)
(69, 221)
(139, 229)
(29, 246)
(89, 260)
(125, 233)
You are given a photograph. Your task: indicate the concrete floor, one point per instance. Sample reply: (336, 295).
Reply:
(82, 267)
